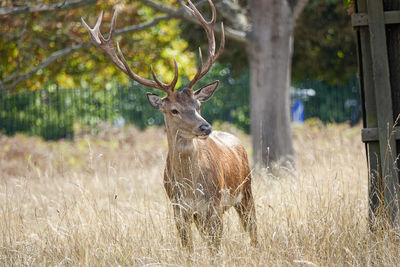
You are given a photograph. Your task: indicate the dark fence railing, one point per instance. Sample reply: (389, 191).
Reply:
(329, 103)
(54, 113)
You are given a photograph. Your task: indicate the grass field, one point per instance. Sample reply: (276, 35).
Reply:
(99, 201)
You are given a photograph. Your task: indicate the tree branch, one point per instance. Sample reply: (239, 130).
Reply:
(15, 78)
(43, 7)
(298, 8)
(163, 8)
(235, 14)
(19, 77)
(237, 35)
(20, 41)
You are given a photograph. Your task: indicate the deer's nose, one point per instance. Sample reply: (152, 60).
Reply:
(205, 129)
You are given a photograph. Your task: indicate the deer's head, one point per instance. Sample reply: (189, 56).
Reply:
(181, 108)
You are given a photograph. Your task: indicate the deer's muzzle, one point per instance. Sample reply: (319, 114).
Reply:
(205, 130)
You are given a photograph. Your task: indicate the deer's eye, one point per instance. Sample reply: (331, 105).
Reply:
(175, 111)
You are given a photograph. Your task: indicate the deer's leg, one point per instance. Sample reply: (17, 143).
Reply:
(183, 224)
(210, 227)
(200, 224)
(247, 215)
(215, 228)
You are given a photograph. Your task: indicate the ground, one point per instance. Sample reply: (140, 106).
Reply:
(99, 200)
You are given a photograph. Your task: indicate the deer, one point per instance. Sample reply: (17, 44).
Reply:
(206, 172)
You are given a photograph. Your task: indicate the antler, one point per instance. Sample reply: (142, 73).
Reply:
(209, 29)
(107, 45)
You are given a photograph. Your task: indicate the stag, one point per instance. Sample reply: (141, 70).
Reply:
(206, 171)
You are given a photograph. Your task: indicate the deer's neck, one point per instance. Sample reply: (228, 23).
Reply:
(183, 154)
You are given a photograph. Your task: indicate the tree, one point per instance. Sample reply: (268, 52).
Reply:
(325, 47)
(266, 30)
(44, 43)
(270, 53)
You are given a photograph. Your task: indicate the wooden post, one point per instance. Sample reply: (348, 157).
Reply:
(379, 66)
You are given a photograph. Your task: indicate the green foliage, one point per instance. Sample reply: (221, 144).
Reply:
(28, 39)
(324, 46)
(347, 3)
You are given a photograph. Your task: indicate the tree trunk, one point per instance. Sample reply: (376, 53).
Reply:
(270, 54)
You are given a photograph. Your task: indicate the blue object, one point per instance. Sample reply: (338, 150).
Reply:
(298, 111)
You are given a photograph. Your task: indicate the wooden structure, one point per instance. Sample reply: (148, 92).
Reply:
(378, 35)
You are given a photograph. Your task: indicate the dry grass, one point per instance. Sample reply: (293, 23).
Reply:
(100, 201)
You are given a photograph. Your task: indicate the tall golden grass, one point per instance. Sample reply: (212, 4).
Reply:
(100, 201)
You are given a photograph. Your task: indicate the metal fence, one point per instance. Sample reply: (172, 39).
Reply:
(55, 113)
(329, 103)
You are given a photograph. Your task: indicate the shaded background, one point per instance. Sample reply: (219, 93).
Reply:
(82, 89)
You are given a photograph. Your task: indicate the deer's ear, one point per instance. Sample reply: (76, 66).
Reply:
(206, 92)
(155, 101)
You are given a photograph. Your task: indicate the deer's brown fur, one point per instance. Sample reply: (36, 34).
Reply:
(204, 176)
